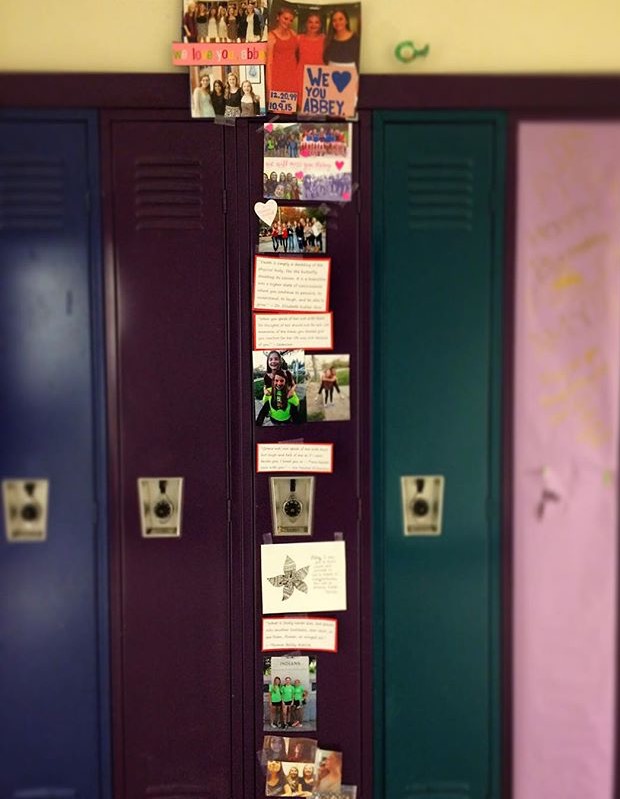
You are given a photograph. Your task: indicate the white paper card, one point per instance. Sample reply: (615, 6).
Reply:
(295, 457)
(299, 331)
(291, 284)
(301, 578)
(290, 634)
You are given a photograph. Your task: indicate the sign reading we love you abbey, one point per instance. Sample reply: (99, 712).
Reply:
(329, 91)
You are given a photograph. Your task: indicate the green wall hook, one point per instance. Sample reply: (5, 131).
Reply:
(407, 52)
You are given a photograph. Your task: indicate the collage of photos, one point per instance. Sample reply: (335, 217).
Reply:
(219, 92)
(295, 230)
(307, 161)
(245, 21)
(294, 387)
(302, 35)
(289, 691)
(296, 767)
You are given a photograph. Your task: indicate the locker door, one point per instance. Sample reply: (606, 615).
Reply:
(53, 696)
(436, 389)
(174, 685)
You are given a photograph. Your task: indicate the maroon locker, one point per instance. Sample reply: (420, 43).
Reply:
(171, 617)
(342, 502)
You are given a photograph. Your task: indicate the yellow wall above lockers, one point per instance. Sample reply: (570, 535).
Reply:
(483, 36)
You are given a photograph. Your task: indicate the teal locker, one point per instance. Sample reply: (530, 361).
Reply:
(436, 387)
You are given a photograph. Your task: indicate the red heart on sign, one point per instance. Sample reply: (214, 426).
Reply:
(339, 164)
(299, 175)
(269, 127)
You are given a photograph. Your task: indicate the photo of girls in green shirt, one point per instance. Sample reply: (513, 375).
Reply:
(290, 691)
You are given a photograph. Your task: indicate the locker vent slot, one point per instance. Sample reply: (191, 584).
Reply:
(45, 793)
(32, 195)
(178, 792)
(440, 194)
(168, 195)
(438, 790)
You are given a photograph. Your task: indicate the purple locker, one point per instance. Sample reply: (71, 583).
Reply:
(342, 498)
(172, 663)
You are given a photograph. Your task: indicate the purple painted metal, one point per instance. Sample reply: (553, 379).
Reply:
(172, 623)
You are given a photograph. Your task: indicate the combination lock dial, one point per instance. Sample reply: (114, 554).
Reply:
(292, 507)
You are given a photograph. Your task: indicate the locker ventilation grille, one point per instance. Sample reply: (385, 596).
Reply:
(440, 194)
(168, 195)
(178, 792)
(438, 790)
(32, 195)
(45, 793)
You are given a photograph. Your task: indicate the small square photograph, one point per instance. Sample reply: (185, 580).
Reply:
(279, 387)
(225, 21)
(328, 771)
(227, 91)
(307, 161)
(296, 229)
(289, 779)
(289, 692)
(294, 750)
(327, 387)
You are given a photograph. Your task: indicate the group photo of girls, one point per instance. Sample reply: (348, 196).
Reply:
(307, 140)
(301, 35)
(289, 701)
(296, 229)
(279, 387)
(245, 21)
(227, 92)
(306, 161)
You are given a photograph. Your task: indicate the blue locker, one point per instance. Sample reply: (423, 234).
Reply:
(53, 630)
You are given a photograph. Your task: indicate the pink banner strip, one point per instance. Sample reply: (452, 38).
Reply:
(191, 55)
(565, 468)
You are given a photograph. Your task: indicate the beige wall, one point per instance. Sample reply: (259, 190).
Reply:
(464, 35)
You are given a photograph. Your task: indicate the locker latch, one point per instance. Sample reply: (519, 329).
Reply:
(160, 506)
(422, 498)
(25, 509)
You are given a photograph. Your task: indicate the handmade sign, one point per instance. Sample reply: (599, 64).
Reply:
(329, 91)
(187, 55)
(282, 102)
(266, 212)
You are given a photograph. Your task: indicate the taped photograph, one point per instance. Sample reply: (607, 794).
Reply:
(295, 229)
(219, 92)
(327, 392)
(290, 701)
(307, 161)
(225, 22)
(278, 380)
(302, 34)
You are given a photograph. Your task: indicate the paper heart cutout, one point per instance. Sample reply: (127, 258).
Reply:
(346, 195)
(304, 152)
(269, 127)
(299, 175)
(339, 165)
(266, 212)
(341, 80)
